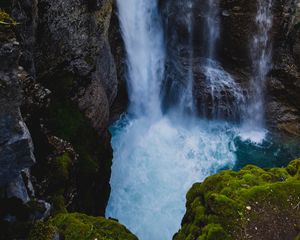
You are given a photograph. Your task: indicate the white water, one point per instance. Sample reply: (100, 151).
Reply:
(261, 53)
(224, 91)
(157, 157)
(143, 37)
(155, 163)
(227, 99)
(211, 28)
(186, 104)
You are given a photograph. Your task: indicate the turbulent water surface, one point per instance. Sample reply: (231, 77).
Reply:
(156, 162)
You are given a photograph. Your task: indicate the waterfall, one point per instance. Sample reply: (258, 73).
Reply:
(143, 37)
(158, 155)
(261, 56)
(225, 95)
(211, 28)
(186, 103)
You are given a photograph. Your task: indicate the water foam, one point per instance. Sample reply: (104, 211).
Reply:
(155, 163)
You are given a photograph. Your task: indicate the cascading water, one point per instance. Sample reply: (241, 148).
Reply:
(157, 159)
(143, 37)
(227, 96)
(219, 82)
(186, 103)
(211, 28)
(158, 155)
(261, 54)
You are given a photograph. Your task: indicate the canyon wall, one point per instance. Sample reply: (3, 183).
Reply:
(59, 84)
(236, 20)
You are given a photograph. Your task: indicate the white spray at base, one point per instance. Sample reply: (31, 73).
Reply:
(155, 163)
(157, 157)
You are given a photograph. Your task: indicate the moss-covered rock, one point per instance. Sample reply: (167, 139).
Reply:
(42, 231)
(254, 203)
(77, 226)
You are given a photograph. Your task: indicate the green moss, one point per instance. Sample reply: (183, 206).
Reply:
(62, 165)
(6, 20)
(59, 174)
(213, 232)
(77, 226)
(225, 204)
(298, 237)
(58, 204)
(42, 231)
(66, 121)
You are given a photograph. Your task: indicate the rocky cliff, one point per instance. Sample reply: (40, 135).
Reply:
(58, 87)
(236, 21)
(16, 148)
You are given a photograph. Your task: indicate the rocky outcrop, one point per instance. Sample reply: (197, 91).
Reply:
(284, 83)
(250, 204)
(16, 148)
(66, 89)
(79, 226)
(72, 39)
(70, 85)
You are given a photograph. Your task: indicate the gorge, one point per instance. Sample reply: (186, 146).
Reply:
(178, 118)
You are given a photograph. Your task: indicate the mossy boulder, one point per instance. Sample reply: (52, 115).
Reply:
(253, 203)
(75, 226)
(41, 230)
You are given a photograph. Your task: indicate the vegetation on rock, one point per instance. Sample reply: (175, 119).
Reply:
(93, 166)
(42, 231)
(75, 226)
(254, 203)
(6, 20)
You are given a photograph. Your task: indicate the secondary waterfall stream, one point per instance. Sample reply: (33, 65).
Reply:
(261, 55)
(159, 155)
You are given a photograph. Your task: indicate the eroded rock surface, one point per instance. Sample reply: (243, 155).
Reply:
(16, 148)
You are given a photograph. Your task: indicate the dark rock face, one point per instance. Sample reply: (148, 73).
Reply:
(73, 59)
(186, 48)
(69, 86)
(16, 149)
(73, 38)
(118, 50)
(25, 12)
(284, 83)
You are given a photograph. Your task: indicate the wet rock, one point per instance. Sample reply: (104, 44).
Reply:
(17, 189)
(40, 210)
(25, 13)
(237, 24)
(16, 148)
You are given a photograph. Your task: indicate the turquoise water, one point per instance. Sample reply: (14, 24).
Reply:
(272, 152)
(156, 162)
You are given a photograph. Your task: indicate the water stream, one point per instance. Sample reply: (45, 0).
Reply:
(261, 56)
